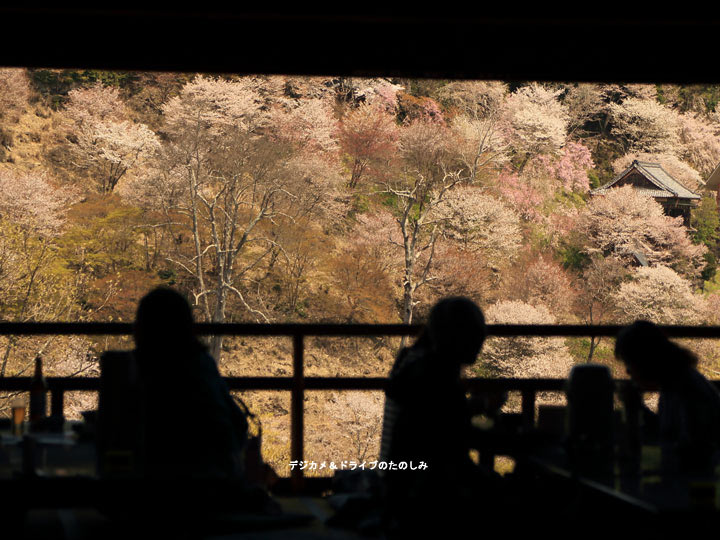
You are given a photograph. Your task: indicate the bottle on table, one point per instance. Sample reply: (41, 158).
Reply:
(38, 395)
(18, 416)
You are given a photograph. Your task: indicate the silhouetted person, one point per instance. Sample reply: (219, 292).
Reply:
(193, 427)
(428, 419)
(689, 406)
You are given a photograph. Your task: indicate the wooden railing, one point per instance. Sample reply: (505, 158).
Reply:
(298, 383)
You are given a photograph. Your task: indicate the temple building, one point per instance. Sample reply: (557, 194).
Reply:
(651, 179)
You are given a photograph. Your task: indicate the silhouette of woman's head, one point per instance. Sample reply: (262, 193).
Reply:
(648, 355)
(163, 321)
(456, 329)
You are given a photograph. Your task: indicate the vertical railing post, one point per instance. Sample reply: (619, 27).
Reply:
(297, 413)
(528, 408)
(57, 402)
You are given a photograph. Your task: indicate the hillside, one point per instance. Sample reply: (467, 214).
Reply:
(277, 199)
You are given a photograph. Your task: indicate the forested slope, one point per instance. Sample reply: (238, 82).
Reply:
(275, 199)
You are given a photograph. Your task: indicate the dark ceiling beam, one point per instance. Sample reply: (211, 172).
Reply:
(464, 45)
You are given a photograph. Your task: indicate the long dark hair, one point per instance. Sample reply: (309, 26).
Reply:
(645, 346)
(164, 320)
(456, 325)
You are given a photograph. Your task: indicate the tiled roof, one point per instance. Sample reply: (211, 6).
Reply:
(714, 181)
(667, 181)
(644, 191)
(666, 184)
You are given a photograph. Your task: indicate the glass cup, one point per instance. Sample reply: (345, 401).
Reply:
(18, 416)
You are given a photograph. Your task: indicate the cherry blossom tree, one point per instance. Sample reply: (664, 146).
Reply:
(478, 125)
(378, 92)
(480, 237)
(427, 172)
(595, 302)
(644, 125)
(623, 221)
(380, 234)
(226, 181)
(568, 170)
(310, 125)
(360, 416)
(572, 167)
(318, 189)
(537, 121)
(538, 280)
(479, 222)
(700, 143)
(585, 106)
(460, 272)
(475, 99)
(480, 144)
(237, 191)
(368, 137)
(523, 196)
(525, 357)
(35, 284)
(660, 295)
(106, 143)
(29, 201)
(95, 103)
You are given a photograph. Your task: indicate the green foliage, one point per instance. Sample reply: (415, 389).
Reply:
(573, 257)
(301, 309)
(712, 286)
(579, 349)
(103, 237)
(484, 369)
(538, 237)
(168, 275)
(54, 84)
(568, 199)
(35, 284)
(604, 153)
(360, 203)
(690, 97)
(710, 266)
(706, 222)
(594, 179)
(388, 199)
(423, 87)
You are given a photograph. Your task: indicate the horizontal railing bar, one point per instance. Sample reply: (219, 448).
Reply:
(54, 383)
(248, 329)
(227, 329)
(69, 384)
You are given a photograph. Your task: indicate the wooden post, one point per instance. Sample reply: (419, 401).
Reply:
(57, 402)
(297, 413)
(528, 408)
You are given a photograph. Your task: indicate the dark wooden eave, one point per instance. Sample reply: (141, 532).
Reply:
(713, 183)
(448, 40)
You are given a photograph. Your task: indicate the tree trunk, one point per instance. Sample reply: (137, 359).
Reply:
(593, 345)
(216, 341)
(407, 313)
